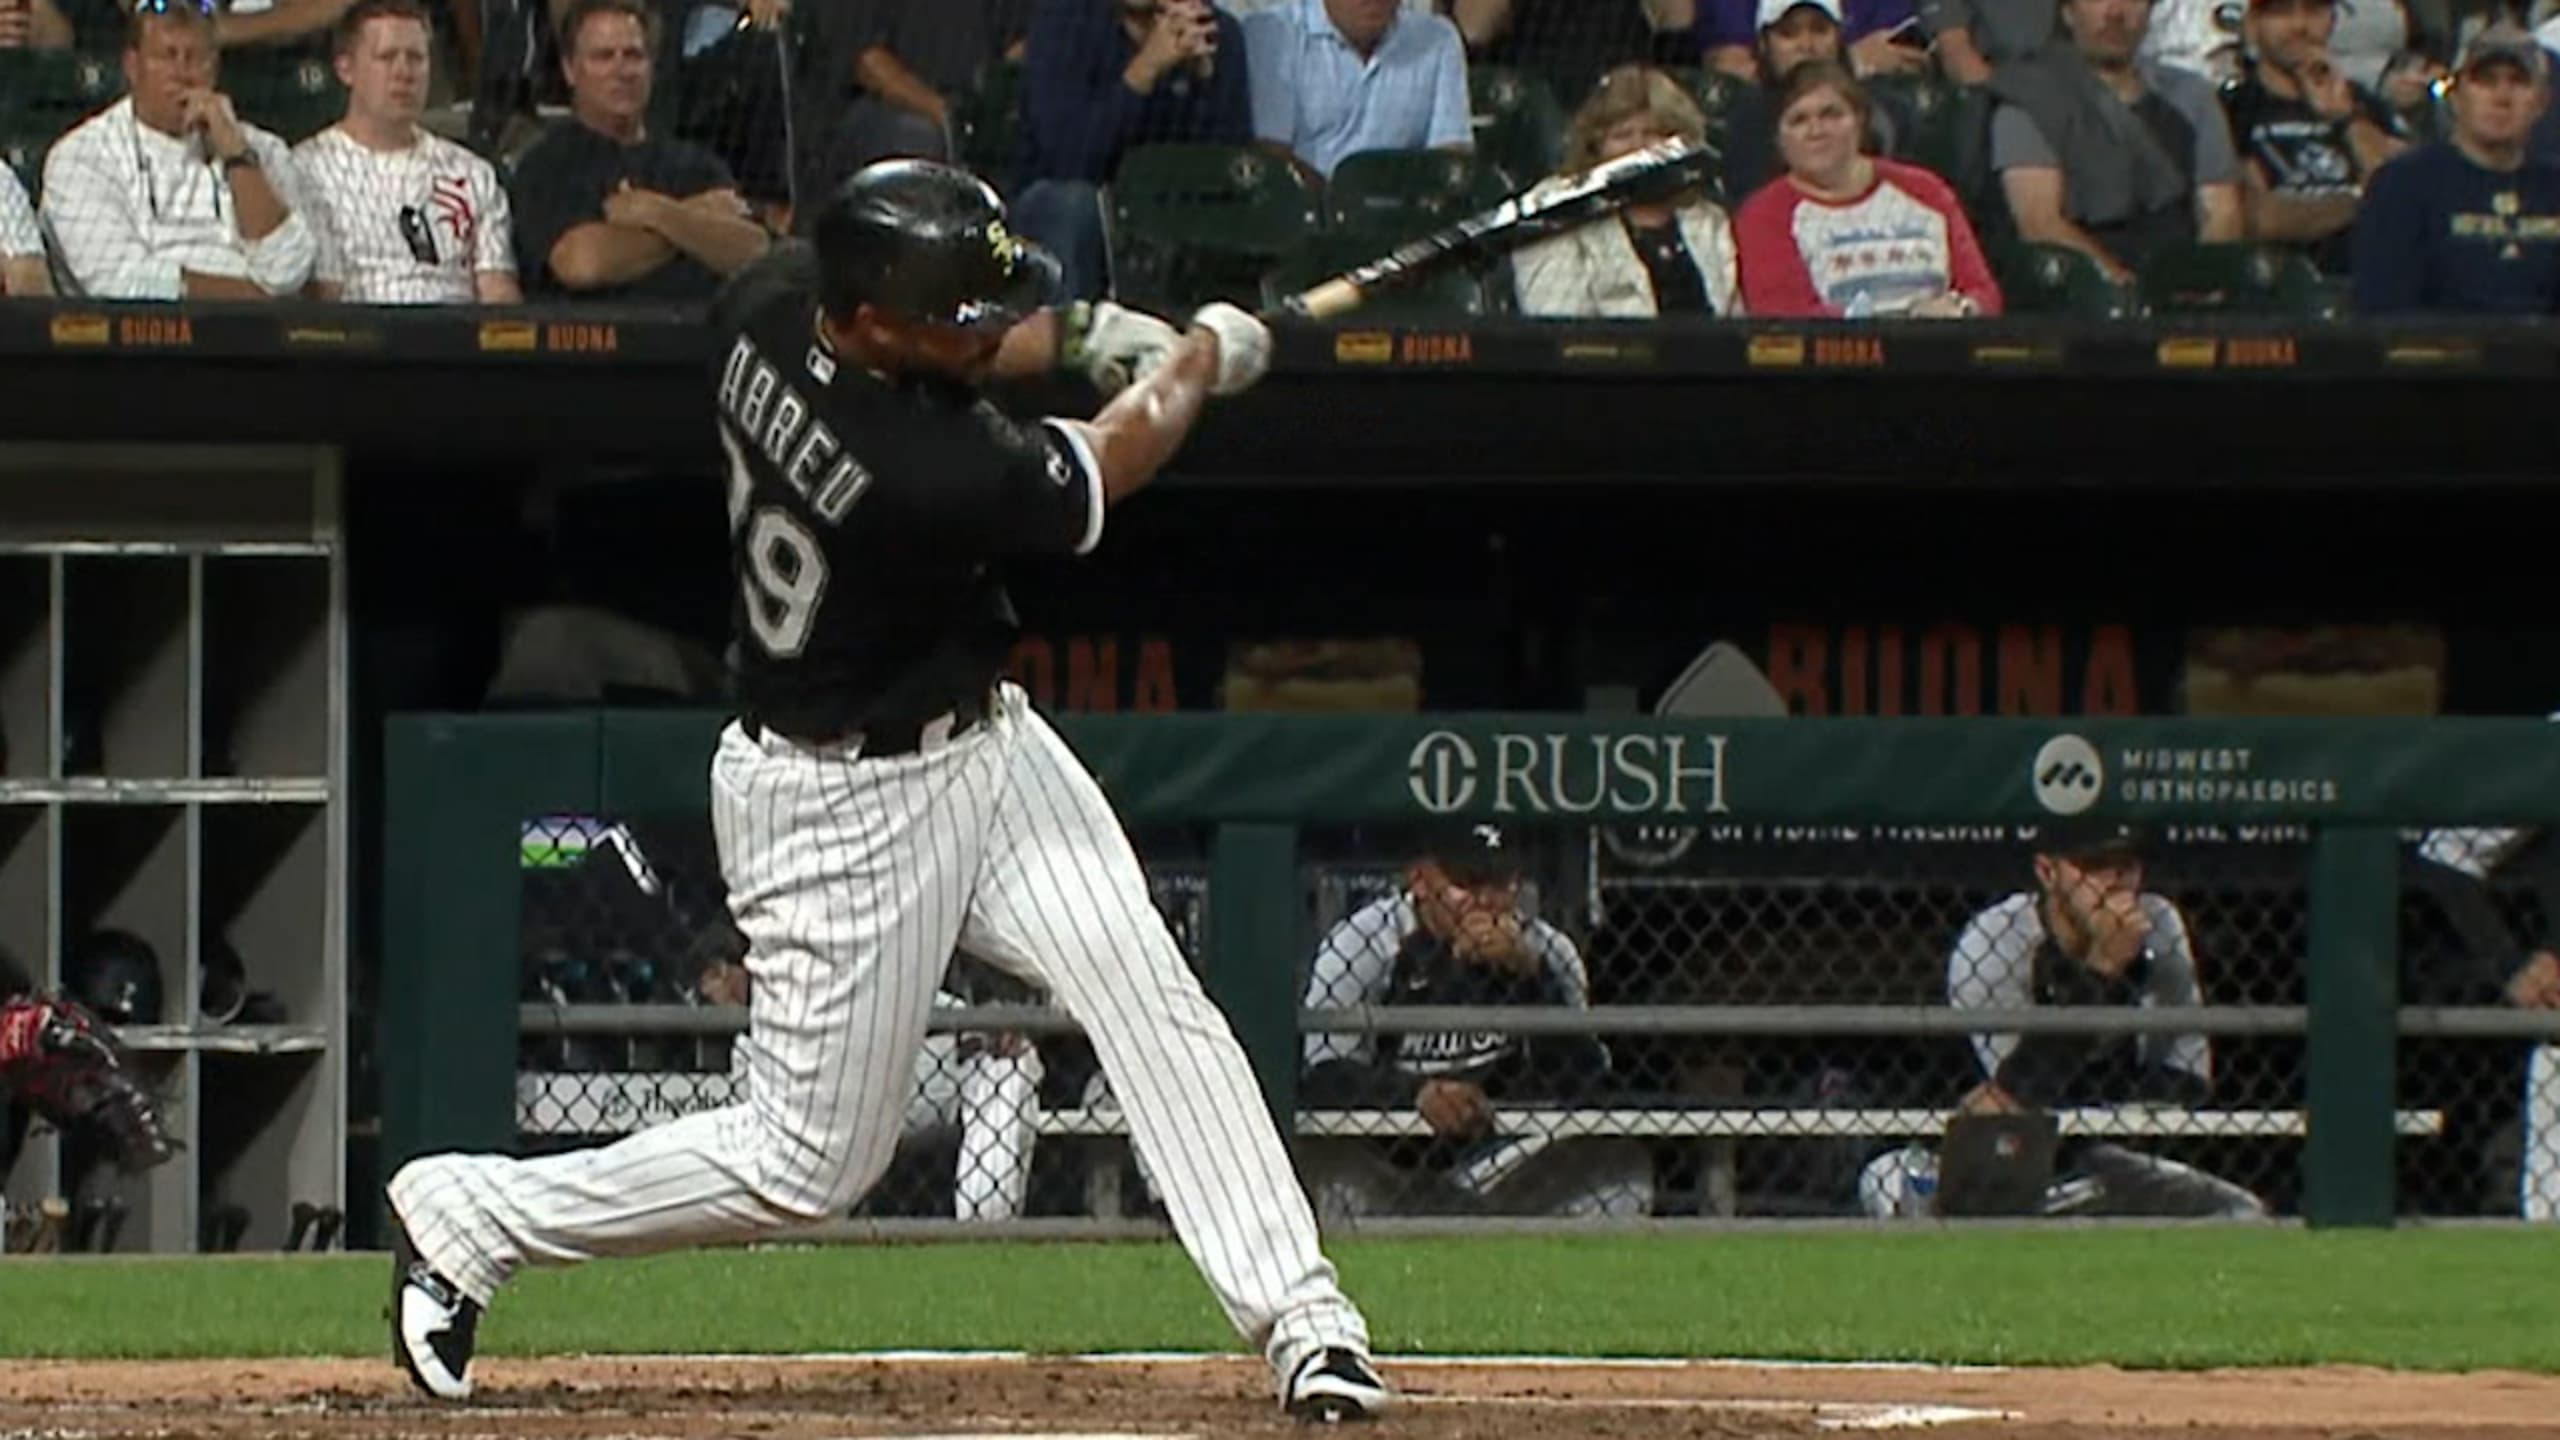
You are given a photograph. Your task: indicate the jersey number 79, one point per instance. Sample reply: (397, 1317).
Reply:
(784, 574)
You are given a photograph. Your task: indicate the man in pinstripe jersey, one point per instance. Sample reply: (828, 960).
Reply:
(883, 800)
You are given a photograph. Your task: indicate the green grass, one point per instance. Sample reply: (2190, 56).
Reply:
(2417, 1299)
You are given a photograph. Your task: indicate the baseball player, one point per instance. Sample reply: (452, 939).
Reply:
(1454, 934)
(882, 800)
(403, 216)
(2087, 934)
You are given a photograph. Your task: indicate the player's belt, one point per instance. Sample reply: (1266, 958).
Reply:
(885, 739)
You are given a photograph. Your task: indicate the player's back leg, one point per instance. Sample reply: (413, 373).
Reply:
(850, 882)
(1064, 903)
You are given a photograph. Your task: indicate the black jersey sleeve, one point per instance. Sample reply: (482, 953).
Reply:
(1020, 488)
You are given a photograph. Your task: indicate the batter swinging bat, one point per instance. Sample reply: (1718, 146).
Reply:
(1653, 173)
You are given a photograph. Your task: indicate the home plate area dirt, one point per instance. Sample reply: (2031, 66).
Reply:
(964, 1398)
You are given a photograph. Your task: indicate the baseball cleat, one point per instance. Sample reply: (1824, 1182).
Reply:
(433, 1324)
(1335, 1385)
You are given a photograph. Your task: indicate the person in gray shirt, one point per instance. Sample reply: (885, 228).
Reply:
(2107, 154)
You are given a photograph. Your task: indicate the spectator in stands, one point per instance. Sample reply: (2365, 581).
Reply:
(1882, 37)
(22, 262)
(733, 100)
(2309, 137)
(2087, 934)
(1334, 77)
(1672, 257)
(2104, 153)
(1103, 76)
(404, 216)
(1572, 43)
(2470, 223)
(2200, 37)
(168, 194)
(1971, 38)
(913, 63)
(1851, 236)
(604, 208)
(1455, 934)
(1791, 33)
(34, 25)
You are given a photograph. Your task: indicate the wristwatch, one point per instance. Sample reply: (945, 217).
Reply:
(248, 156)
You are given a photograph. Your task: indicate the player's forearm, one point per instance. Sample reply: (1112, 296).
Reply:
(1145, 424)
(724, 244)
(1030, 349)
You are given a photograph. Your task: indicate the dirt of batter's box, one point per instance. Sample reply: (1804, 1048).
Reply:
(781, 1399)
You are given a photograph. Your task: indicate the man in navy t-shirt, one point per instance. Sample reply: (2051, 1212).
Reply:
(2470, 224)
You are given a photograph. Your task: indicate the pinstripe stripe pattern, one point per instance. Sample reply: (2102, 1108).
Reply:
(854, 881)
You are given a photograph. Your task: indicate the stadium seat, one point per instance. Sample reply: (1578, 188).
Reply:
(1404, 193)
(53, 87)
(2235, 279)
(1450, 294)
(1519, 127)
(1716, 92)
(1941, 127)
(294, 93)
(1193, 222)
(987, 124)
(2058, 280)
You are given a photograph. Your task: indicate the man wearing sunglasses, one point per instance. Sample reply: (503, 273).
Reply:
(168, 194)
(405, 216)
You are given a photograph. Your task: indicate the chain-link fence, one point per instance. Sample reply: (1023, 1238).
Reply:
(1788, 1022)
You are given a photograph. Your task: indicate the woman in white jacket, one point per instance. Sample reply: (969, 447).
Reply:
(1672, 258)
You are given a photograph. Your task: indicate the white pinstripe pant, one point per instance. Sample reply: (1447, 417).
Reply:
(854, 881)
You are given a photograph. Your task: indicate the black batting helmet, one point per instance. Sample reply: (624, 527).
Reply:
(117, 974)
(928, 242)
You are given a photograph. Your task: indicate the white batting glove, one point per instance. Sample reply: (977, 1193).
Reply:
(1244, 346)
(1113, 345)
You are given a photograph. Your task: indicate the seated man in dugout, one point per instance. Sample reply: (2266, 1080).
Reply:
(1454, 934)
(2087, 933)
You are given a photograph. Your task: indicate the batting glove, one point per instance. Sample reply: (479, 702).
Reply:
(1113, 345)
(1244, 347)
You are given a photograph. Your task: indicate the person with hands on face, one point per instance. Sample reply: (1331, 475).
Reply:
(1455, 935)
(168, 194)
(2308, 135)
(1102, 77)
(605, 209)
(2086, 934)
(1845, 234)
(1668, 256)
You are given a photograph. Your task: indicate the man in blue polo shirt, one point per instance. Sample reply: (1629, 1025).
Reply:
(2470, 224)
(1107, 75)
(1335, 77)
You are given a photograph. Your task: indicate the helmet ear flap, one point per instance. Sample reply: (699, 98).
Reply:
(117, 975)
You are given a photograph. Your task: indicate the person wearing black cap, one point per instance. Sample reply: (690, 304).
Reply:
(2087, 934)
(1455, 933)
(2469, 224)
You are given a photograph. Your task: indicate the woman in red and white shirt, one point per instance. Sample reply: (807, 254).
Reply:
(1847, 235)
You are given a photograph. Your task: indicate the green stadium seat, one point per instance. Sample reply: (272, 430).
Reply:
(1519, 127)
(1716, 92)
(2058, 280)
(294, 93)
(1450, 294)
(1404, 193)
(54, 87)
(987, 124)
(1196, 222)
(2235, 279)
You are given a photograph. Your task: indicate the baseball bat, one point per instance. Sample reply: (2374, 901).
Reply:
(1654, 173)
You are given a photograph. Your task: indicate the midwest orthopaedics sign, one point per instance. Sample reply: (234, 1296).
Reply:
(1559, 773)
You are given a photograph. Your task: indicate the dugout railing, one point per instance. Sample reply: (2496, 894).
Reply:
(2329, 1091)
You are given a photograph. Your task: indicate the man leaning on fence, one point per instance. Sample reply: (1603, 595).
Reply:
(1454, 935)
(168, 194)
(405, 216)
(2086, 934)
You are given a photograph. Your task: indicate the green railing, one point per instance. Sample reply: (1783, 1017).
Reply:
(460, 787)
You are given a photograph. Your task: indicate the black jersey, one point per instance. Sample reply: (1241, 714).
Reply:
(869, 518)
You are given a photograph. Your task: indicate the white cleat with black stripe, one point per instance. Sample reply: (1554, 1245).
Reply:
(1335, 1385)
(433, 1325)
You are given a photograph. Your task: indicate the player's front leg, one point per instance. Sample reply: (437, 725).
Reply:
(1066, 905)
(849, 927)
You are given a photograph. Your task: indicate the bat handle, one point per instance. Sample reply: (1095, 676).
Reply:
(1333, 297)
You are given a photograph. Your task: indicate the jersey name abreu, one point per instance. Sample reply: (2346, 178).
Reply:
(782, 425)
